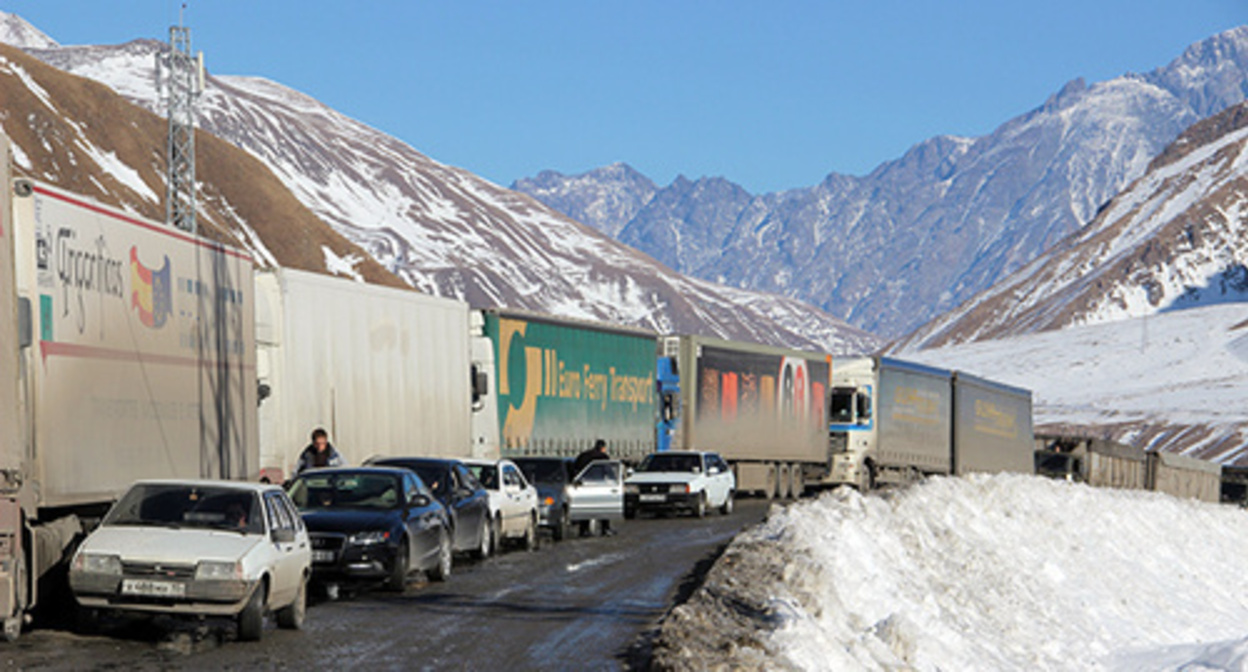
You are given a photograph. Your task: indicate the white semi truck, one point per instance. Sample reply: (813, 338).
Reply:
(892, 421)
(387, 372)
(124, 354)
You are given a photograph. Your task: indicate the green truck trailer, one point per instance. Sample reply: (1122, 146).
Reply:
(561, 384)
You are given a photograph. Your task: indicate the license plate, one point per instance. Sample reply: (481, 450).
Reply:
(654, 498)
(148, 588)
(322, 556)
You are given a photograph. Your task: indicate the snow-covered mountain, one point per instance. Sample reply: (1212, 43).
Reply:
(919, 235)
(1176, 238)
(80, 135)
(449, 232)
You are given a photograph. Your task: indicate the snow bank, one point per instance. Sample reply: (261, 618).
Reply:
(1000, 572)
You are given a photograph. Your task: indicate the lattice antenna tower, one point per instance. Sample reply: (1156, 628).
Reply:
(180, 82)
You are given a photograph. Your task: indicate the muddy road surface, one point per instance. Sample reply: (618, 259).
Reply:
(580, 604)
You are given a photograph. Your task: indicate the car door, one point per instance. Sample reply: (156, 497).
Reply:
(285, 563)
(717, 480)
(515, 513)
(597, 493)
(421, 521)
(477, 502)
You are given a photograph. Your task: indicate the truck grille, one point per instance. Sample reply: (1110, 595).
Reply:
(659, 488)
(157, 570)
(838, 442)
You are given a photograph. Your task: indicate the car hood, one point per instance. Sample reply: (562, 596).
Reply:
(174, 546)
(663, 477)
(346, 520)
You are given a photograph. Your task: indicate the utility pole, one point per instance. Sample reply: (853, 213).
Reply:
(180, 82)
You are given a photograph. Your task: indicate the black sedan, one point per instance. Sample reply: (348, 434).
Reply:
(551, 475)
(372, 524)
(467, 502)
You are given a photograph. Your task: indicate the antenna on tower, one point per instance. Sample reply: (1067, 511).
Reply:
(180, 82)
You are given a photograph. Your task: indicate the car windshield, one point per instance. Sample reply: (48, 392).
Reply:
(486, 473)
(313, 492)
(662, 462)
(543, 471)
(190, 506)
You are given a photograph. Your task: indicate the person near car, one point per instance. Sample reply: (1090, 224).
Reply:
(598, 452)
(319, 454)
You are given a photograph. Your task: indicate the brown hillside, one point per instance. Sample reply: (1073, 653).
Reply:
(57, 127)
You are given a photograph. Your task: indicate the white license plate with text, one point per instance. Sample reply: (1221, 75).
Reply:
(322, 556)
(654, 498)
(149, 588)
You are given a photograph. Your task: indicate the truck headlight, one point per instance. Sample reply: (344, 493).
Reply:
(632, 488)
(212, 570)
(368, 538)
(98, 563)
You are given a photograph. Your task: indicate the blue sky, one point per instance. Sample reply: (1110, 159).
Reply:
(769, 94)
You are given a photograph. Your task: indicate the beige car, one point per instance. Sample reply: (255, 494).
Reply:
(217, 548)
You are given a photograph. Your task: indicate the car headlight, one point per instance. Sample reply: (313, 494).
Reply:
(632, 488)
(368, 538)
(212, 570)
(680, 487)
(98, 563)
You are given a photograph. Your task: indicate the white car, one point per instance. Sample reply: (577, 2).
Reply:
(216, 548)
(513, 502)
(689, 481)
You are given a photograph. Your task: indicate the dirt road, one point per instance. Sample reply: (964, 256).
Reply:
(580, 604)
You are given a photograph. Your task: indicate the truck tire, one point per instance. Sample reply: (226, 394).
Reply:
(291, 617)
(866, 479)
(726, 509)
(251, 618)
(699, 509)
(769, 492)
(782, 481)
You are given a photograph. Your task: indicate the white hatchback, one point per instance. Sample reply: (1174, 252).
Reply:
(513, 501)
(678, 480)
(218, 548)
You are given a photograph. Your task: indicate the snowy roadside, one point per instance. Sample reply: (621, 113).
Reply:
(988, 573)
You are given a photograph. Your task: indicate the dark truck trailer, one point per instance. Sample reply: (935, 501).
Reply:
(762, 408)
(562, 384)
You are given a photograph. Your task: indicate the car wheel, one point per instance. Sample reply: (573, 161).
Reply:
(699, 509)
(496, 530)
(442, 571)
(291, 617)
(726, 509)
(397, 581)
(251, 618)
(561, 526)
(483, 543)
(591, 528)
(530, 534)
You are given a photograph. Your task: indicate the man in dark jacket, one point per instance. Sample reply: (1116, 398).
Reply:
(598, 452)
(319, 453)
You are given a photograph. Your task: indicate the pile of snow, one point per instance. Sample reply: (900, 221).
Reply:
(1005, 572)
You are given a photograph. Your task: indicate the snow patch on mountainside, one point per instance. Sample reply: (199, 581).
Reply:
(16, 31)
(1005, 572)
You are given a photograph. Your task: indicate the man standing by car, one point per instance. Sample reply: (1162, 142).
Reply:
(319, 453)
(598, 452)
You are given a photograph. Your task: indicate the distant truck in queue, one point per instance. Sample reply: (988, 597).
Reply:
(763, 409)
(894, 422)
(562, 384)
(387, 372)
(125, 353)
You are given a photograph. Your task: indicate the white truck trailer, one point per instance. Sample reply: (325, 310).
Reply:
(387, 372)
(124, 354)
(893, 421)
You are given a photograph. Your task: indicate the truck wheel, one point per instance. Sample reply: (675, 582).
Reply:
(699, 509)
(443, 570)
(291, 617)
(866, 478)
(726, 509)
(397, 581)
(13, 624)
(251, 618)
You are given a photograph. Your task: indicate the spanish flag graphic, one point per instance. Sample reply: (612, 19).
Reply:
(152, 293)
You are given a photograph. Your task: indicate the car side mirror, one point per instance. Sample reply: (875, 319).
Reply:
(420, 501)
(630, 472)
(578, 483)
(283, 535)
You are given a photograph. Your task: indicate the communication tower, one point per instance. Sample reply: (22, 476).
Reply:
(180, 82)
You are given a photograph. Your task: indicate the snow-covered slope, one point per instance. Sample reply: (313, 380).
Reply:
(1002, 572)
(449, 232)
(1173, 382)
(1174, 239)
(919, 235)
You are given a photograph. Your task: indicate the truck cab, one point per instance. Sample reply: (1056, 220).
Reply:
(851, 423)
